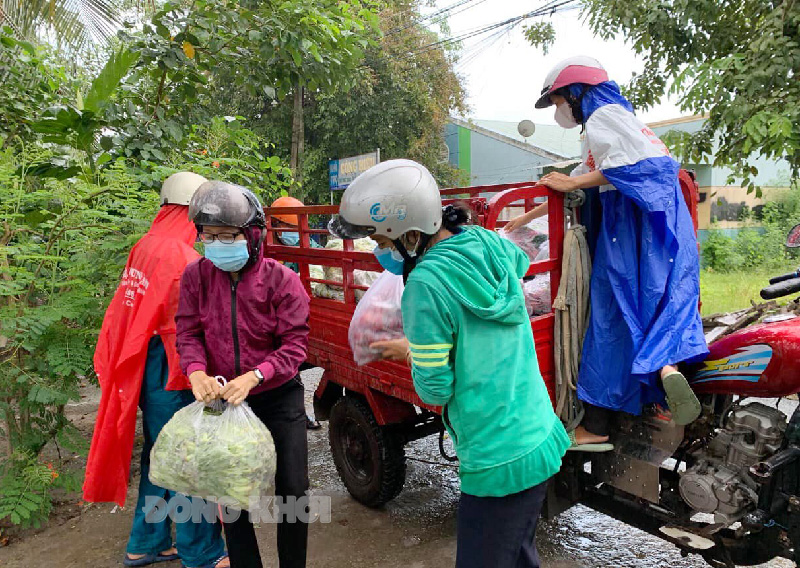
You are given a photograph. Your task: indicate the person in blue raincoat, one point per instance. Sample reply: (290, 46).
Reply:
(645, 279)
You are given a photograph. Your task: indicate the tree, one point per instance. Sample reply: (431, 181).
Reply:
(737, 62)
(398, 101)
(307, 45)
(197, 57)
(74, 22)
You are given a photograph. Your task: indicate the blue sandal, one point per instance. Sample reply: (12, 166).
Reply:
(149, 559)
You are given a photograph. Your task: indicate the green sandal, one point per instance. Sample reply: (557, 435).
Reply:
(593, 448)
(682, 401)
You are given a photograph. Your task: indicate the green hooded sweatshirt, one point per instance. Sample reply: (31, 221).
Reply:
(473, 353)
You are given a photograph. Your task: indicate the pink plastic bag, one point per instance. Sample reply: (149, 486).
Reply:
(527, 238)
(537, 295)
(378, 317)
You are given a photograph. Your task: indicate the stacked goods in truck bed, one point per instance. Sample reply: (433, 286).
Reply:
(360, 277)
(531, 238)
(534, 241)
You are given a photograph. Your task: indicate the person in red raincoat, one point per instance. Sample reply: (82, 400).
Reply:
(137, 366)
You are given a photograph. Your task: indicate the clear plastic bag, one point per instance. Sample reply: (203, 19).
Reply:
(378, 317)
(531, 238)
(219, 452)
(544, 252)
(537, 295)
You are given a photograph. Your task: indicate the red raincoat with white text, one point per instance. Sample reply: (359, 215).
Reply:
(144, 305)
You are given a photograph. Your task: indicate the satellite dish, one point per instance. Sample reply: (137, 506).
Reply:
(526, 128)
(444, 153)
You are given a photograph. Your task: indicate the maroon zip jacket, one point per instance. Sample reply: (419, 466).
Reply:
(228, 328)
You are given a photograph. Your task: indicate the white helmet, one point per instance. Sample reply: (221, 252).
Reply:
(179, 188)
(389, 199)
(581, 69)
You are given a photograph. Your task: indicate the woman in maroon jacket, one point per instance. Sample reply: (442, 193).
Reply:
(245, 317)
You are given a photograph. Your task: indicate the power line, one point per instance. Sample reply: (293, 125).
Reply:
(422, 18)
(478, 3)
(474, 51)
(550, 7)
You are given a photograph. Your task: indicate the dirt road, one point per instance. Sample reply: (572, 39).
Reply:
(416, 530)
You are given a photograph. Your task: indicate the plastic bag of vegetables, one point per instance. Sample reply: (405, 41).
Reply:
(378, 317)
(219, 452)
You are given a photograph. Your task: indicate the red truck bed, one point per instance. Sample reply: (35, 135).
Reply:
(387, 386)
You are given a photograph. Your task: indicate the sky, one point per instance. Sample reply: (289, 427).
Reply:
(504, 77)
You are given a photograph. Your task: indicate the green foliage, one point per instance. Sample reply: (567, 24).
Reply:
(395, 103)
(723, 292)
(25, 486)
(540, 34)
(761, 247)
(62, 244)
(75, 23)
(734, 61)
(205, 61)
(225, 149)
(108, 80)
(28, 87)
(76, 126)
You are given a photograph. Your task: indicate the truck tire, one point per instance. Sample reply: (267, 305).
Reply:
(369, 458)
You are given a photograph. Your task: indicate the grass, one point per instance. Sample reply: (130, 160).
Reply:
(730, 291)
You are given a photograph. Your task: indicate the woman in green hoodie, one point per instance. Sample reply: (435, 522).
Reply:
(470, 346)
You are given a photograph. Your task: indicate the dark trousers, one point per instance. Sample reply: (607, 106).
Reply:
(199, 543)
(283, 411)
(596, 419)
(498, 532)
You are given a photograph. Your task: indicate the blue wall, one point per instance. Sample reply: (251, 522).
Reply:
(491, 161)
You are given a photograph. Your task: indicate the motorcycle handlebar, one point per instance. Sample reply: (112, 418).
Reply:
(776, 279)
(780, 289)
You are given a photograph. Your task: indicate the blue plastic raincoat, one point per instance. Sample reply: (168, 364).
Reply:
(645, 280)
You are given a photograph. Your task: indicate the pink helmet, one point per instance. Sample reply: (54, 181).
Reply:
(580, 69)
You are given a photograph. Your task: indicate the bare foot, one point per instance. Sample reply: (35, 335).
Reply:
(583, 436)
(668, 370)
(224, 563)
(168, 552)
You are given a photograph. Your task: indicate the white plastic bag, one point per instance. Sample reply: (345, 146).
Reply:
(219, 452)
(378, 317)
(537, 295)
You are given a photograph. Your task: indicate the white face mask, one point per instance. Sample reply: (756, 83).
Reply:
(564, 116)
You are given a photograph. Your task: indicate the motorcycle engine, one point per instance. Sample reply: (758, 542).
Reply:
(719, 481)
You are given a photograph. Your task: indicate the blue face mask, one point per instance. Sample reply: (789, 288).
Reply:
(390, 259)
(290, 239)
(228, 257)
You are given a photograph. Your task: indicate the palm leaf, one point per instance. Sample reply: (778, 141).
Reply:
(76, 22)
(109, 79)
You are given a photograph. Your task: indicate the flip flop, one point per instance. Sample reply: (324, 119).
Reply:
(149, 559)
(312, 424)
(681, 399)
(591, 448)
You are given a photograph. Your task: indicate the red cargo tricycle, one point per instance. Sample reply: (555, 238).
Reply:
(726, 487)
